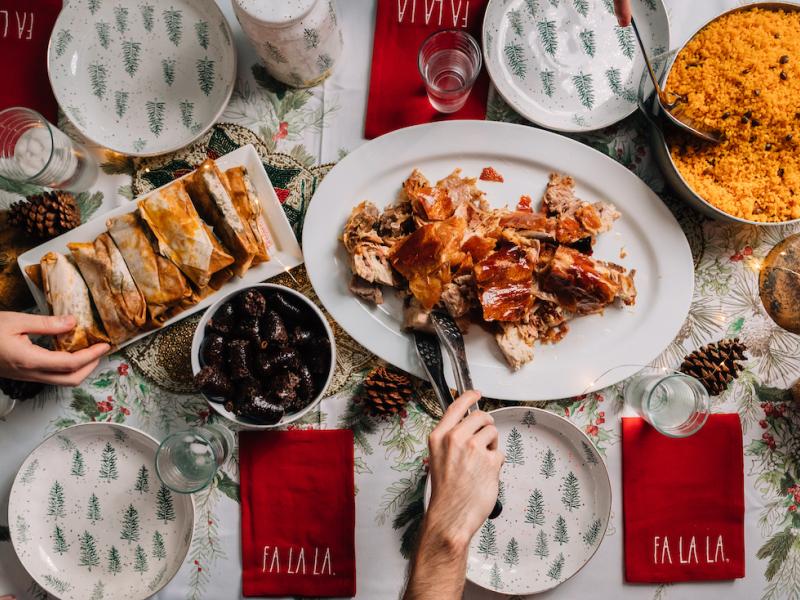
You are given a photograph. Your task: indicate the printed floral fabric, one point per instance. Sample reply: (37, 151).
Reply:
(316, 126)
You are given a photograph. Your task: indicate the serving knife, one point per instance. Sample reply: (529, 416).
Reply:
(431, 355)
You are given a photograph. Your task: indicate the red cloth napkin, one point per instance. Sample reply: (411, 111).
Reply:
(25, 28)
(683, 502)
(397, 95)
(298, 513)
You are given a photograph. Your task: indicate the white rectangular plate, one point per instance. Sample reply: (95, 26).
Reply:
(285, 253)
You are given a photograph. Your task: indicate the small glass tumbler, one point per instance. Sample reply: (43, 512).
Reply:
(187, 461)
(449, 62)
(32, 150)
(674, 403)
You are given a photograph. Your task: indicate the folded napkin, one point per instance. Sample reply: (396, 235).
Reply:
(397, 95)
(25, 28)
(683, 502)
(298, 513)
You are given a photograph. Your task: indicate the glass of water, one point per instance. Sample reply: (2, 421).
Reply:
(187, 461)
(674, 403)
(33, 150)
(449, 62)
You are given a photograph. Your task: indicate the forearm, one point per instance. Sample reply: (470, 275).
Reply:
(439, 566)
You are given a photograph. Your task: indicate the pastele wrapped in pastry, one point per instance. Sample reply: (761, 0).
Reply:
(67, 294)
(161, 282)
(119, 302)
(208, 188)
(182, 236)
(247, 204)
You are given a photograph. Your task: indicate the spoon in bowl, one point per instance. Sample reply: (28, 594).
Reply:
(669, 102)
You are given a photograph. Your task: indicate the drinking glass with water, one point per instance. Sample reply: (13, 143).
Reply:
(449, 62)
(187, 460)
(674, 403)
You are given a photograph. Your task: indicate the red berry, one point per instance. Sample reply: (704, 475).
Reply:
(762, 423)
(600, 421)
(566, 412)
(601, 413)
(793, 508)
(765, 436)
(747, 251)
(197, 563)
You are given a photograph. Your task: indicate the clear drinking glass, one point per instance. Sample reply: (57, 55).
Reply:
(674, 403)
(187, 461)
(35, 151)
(779, 284)
(449, 62)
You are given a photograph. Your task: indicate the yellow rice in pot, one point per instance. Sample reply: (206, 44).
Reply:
(741, 76)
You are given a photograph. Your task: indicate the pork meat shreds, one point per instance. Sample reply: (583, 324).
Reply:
(522, 272)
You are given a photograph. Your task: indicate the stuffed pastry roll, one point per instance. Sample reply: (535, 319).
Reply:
(119, 302)
(208, 188)
(67, 294)
(182, 236)
(248, 206)
(162, 284)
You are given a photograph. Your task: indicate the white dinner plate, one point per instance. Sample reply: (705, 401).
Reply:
(90, 519)
(556, 497)
(566, 64)
(647, 235)
(142, 77)
(284, 254)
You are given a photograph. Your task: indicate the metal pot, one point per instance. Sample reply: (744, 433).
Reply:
(658, 141)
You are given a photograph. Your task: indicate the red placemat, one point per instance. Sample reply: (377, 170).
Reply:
(25, 28)
(683, 502)
(397, 95)
(298, 513)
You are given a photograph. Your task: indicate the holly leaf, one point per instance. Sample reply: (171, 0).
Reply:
(88, 204)
(772, 394)
(228, 486)
(104, 379)
(83, 402)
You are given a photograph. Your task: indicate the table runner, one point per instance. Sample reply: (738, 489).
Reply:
(317, 126)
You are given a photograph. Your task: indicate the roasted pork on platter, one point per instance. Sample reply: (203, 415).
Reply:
(522, 272)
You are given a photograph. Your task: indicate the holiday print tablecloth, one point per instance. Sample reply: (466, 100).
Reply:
(309, 128)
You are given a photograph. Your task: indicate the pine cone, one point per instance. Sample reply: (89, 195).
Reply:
(19, 390)
(716, 365)
(45, 215)
(385, 391)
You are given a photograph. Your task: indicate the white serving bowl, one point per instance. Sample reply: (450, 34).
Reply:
(200, 333)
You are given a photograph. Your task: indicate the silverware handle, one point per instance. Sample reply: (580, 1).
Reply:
(650, 70)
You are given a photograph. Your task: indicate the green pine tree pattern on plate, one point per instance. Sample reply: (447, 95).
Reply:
(273, 52)
(511, 555)
(589, 454)
(23, 529)
(541, 550)
(108, 463)
(140, 561)
(515, 21)
(515, 59)
(534, 513)
(139, 144)
(168, 70)
(98, 593)
(205, 74)
(155, 116)
(515, 453)
(650, 4)
(187, 113)
(121, 18)
(159, 551)
(587, 41)
(56, 502)
(93, 513)
(148, 12)
(591, 535)
(529, 420)
(487, 544)
(120, 102)
(173, 21)
(113, 561)
(625, 40)
(89, 557)
(570, 492)
(142, 480)
(201, 31)
(582, 6)
(63, 38)
(131, 56)
(94, 6)
(560, 533)
(103, 30)
(166, 509)
(556, 568)
(57, 584)
(494, 578)
(584, 88)
(532, 7)
(78, 468)
(548, 36)
(60, 545)
(311, 37)
(97, 78)
(548, 468)
(130, 525)
(30, 471)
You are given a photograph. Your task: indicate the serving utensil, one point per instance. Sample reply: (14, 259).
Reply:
(450, 335)
(670, 102)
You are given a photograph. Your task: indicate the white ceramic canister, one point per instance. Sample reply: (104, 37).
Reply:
(297, 40)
